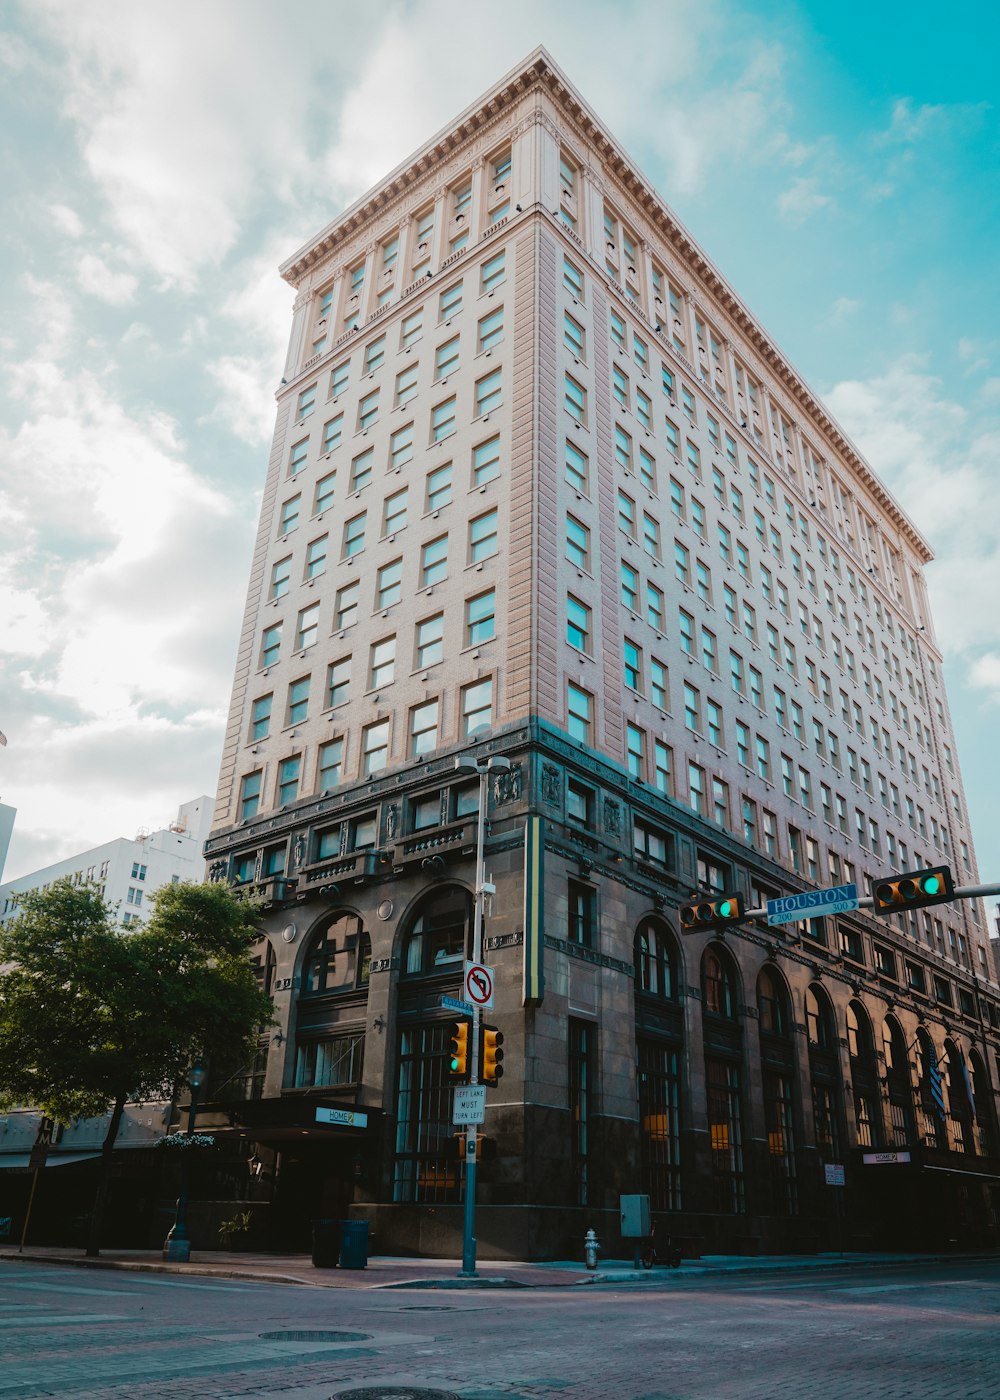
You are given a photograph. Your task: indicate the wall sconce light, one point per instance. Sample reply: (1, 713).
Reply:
(378, 1024)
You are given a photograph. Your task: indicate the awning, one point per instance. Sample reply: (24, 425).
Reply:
(54, 1159)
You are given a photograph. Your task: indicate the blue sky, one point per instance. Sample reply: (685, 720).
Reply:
(838, 163)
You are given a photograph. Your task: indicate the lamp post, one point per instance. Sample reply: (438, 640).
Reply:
(484, 767)
(177, 1245)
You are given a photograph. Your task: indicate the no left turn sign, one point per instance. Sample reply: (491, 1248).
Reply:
(479, 985)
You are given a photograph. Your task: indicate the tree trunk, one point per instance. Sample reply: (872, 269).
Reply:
(104, 1181)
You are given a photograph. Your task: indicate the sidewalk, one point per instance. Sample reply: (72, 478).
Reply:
(391, 1272)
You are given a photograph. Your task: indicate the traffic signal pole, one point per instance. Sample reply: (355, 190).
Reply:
(965, 892)
(482, 767)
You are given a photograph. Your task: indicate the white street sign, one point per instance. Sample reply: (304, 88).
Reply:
(884, 1159)
(346, 1117)
(469, 1105)
(834, 1173)
(812, 905)
(479, 985)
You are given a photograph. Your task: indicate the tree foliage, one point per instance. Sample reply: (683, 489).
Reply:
(93, 1014)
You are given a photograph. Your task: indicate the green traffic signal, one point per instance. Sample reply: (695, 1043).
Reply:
(913, 891)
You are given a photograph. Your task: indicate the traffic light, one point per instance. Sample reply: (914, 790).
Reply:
(893, 894)
(492, 1067)
(458, 1065)
(486, 1148)
(713, 913)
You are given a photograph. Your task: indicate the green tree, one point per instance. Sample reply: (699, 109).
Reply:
(93, 1015)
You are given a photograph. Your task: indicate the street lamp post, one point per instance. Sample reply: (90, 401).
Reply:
(177, 1245)
(484, 767)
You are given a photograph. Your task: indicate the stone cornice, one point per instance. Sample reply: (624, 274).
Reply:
(539, 72)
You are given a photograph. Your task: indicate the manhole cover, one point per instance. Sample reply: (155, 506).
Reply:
(394, 1392)
(315, 1336)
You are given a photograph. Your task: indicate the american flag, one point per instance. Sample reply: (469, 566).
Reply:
(934, 1080)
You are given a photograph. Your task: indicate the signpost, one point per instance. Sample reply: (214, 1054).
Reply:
(812, 905)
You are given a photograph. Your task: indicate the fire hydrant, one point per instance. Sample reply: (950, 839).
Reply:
(591, 1249)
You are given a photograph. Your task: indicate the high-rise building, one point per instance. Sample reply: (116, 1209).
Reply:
(127, 871)
(542, 488)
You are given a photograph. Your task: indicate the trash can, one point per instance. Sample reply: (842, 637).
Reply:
(354, 1244)
(325, 1243)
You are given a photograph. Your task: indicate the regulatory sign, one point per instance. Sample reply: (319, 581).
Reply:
(343, 1117)
(834, 1173)
(469, 1105)
(884, 1159)
(454, 1004)
(479, 985)
(812, 905)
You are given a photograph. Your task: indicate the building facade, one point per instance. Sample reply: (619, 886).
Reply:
(127, 872)
(542, 488)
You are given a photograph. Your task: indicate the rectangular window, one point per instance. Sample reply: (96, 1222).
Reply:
(382, 664)
(411, 329)
(572, 279)
(345, 610)
(394, 512)
(446, 358)
(494, 271)
(491, 330)
(577, 468)
(480, 618)
(361, 470)
(324, 493)
(339, 378)
(626, 514)
(483, 537)
(662, 767)
(582, 902)
(354, 536)
(430, 641)
(577, 543)
(289, 517)
(298, 701)
(250, 795)
(338, 682)
(260, 718)
(578, 622)
(650, 535)
(486, 461)
(389, 584)
(635, 751)
(289, 771)
(375, 354)
(658, 691)
(307, 628)
(439, 487)
(574, 337)
(332, 429)
(424, 728)
(477, 707)
(579, 713)
(654, 606)
(281, 573)
(450, 301)
(270, 644)
(316, 557)
(368, 410)
(434, 562)
(443, 420)
(306, 403)
(406, 385)
(375, 747)
(575, 399)
(633, 664)
(629, 579)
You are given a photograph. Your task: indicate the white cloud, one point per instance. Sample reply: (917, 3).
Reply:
(66, 220)
(909, 124)
(844, 308)
(801, 199)
(984, 674)
(99, 280)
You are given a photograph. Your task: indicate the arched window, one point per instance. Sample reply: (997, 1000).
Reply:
(655, 960)
(772, 1003)
(436, 941)
(931, 1091)
(819, 1022)
(859, 1034)
(718, 986)
(338, 959)
(980, 1089)
(959, 1098)
(897, 1073)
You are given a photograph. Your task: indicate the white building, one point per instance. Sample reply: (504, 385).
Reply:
(128, 872)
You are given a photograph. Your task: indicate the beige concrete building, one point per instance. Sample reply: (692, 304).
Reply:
(542, 487)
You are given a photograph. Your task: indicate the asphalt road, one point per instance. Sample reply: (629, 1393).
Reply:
(923, 1333)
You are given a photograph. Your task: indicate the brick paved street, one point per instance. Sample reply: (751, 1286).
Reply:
(925, 1332)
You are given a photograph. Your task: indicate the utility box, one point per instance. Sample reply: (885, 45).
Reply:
(635, 1217)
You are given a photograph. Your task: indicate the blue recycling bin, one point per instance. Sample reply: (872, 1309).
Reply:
(354, 1244)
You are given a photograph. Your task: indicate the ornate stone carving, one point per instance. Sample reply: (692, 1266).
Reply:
(612, 817)
(550, 783)
(391, 821)
(298, 850)
(217, 871)
(507, 785)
